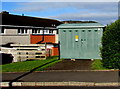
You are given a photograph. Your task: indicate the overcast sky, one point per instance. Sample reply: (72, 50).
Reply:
(102, 12)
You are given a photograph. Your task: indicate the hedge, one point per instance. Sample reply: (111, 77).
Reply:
(110, 50)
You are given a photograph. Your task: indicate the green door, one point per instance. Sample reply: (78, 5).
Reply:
(68, 46)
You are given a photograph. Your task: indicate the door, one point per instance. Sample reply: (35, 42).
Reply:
(68, 44)
(82, 43)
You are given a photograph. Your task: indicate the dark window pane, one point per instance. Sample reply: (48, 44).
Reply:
(22, 30)
(38, 30)
(50, 31)
(18, 30)
(25, 30)
(2, 30)
(35, 30)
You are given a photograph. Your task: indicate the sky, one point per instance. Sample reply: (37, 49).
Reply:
(102, 12)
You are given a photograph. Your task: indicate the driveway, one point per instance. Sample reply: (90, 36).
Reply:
(79, 64)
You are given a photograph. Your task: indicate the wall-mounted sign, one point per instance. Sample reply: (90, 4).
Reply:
(76, 37)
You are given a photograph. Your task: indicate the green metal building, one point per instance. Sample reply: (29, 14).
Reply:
(80, 40)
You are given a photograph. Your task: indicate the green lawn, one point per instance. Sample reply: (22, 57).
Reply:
(28, 65)
(97, 65)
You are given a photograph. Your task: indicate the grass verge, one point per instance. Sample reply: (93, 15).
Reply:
(28, 65)
(97, 65)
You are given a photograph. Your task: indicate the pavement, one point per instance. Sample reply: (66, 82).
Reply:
(62, 87)
(62, 78)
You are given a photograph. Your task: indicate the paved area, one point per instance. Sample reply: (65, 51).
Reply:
(80, 64)
(65, 76)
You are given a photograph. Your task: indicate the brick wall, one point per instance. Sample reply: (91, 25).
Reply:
(47, 38)
(55, 51)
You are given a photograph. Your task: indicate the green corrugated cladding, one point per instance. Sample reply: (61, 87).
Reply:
(80, 41)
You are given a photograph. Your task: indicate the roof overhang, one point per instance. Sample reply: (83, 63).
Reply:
(75, 27)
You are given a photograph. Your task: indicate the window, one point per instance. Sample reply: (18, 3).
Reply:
(57, 32)
(50, 31)
(2, 30)
(38, 30)
(41, 31)
(46, 31)
(33, 30)
(19, 30)
(22, 31)
(54, 31)
(25, 30)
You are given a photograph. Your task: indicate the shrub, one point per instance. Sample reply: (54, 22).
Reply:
(110, 51)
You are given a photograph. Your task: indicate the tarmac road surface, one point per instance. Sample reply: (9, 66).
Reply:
(60, 76)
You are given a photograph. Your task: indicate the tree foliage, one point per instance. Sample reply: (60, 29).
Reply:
(110, 51)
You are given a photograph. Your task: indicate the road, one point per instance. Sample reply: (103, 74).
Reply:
(60, 76)
(66, 87)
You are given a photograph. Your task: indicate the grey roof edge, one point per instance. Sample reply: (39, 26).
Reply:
(80, 25)
(62, 27)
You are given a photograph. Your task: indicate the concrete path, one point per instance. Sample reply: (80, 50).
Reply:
(63, 87)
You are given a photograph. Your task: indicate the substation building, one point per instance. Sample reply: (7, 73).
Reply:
(80, 40)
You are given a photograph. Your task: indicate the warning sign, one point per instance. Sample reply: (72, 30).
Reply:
(76, 37)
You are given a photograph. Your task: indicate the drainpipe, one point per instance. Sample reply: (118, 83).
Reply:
(42, 37)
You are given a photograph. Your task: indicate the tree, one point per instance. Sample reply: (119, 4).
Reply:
(110, 51)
